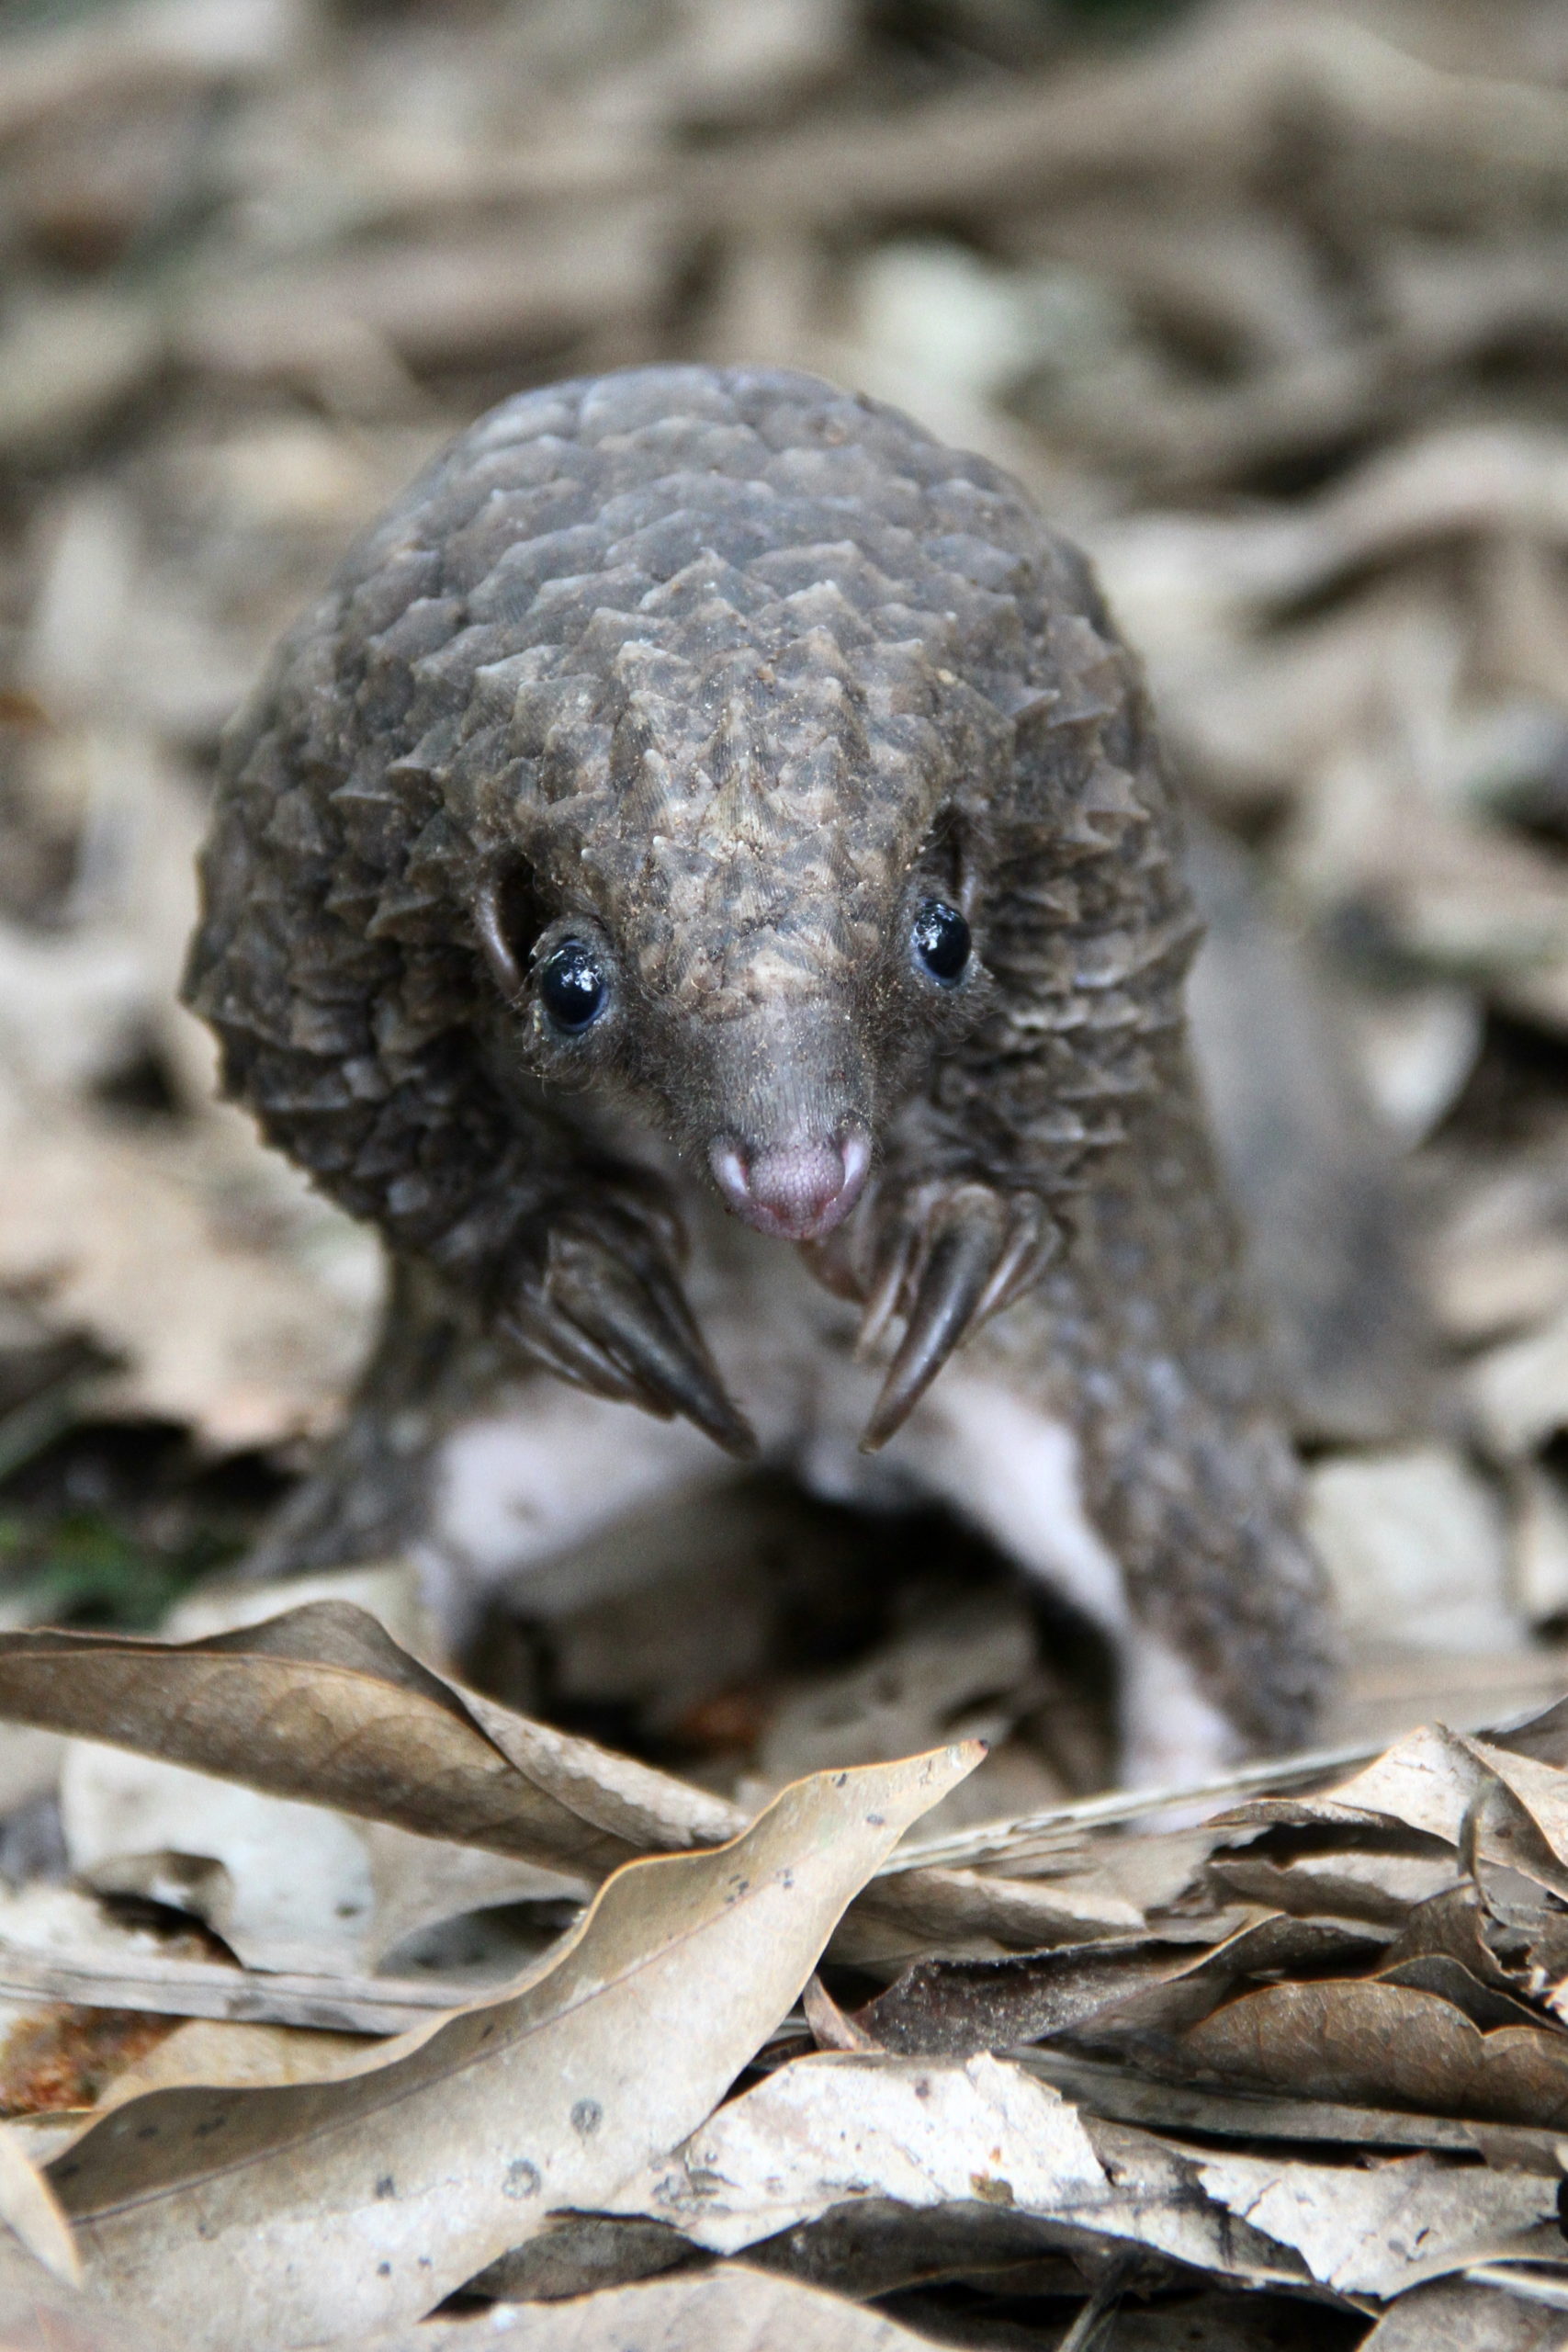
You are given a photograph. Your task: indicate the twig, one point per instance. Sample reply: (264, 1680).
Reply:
(1093, 2324)
(185, 1988)
(997, 1840)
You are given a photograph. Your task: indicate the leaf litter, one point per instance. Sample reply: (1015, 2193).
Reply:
(293, 2213)
(1267, 308)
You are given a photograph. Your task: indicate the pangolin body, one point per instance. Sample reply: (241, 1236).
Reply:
(703, 882)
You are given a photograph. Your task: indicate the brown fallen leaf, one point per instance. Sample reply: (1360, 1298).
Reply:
(1122, 2095)
(1378, 2044)
(1138, 1990)
(1371, 1878)
(318, 2211)
(319, 1704)
(952, 2009)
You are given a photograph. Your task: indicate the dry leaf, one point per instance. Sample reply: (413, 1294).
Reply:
(235, 2056)
(30, 2208)
(1455, 2315)
(320, 1705)
(1376, 2231)
(1382, 2044)
(740, 2310)
(39, 2312)
(1414, 1540)
(1122, 2096)
(291, 2216)
(957, 2008)
(840, 2128)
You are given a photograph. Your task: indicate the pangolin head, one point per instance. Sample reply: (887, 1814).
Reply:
(729, 790)
(745, 887)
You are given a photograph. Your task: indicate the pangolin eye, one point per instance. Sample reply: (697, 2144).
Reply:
(940, 940)
(572, 985)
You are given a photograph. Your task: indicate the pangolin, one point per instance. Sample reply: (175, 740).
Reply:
(702, 880)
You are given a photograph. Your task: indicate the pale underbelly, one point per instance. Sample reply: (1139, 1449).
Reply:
(541, 1471)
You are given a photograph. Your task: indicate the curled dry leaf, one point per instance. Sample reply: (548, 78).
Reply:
(319, 1704)
(1139, 1987)
(318, 2211)
(1380, 2044)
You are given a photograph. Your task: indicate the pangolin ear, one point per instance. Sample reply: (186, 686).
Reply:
(508, 916)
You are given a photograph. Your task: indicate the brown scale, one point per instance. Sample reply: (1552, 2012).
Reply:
(721, 681)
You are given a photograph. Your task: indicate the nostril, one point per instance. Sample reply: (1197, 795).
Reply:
(800, 1190)
(730, 1174)
(856, 1164)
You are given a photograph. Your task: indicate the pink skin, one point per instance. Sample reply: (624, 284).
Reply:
(797, 1191)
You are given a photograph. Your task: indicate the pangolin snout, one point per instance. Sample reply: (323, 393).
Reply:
(798, 1191)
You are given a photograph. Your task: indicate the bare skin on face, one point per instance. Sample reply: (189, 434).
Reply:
(711, 756)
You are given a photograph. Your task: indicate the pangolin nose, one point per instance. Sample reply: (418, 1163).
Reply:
(799, 1190)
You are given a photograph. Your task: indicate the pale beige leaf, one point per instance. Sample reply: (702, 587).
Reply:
(840, 2127)
(1428, 1781)
(732, 2308)
(1539, 1788)
(1378, 2230)
(236, 2057)
(288, 1886)
(286, 2217)
(1459, 2315)
(28, 2206)
(40, 2313)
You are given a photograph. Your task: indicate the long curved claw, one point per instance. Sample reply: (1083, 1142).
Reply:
(549, 1339)
(639, 1317)
(596, 1305)
(957, 1270)
(978, 1251)
(890, 1286)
